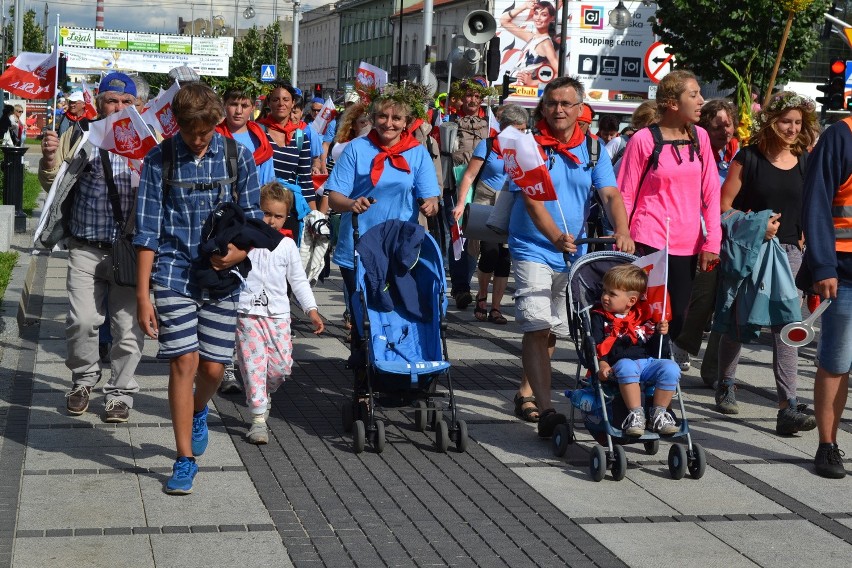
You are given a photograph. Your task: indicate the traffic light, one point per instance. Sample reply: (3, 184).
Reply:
(835, 87)
(318, 90)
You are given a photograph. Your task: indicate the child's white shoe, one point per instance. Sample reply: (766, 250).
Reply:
(258, 433)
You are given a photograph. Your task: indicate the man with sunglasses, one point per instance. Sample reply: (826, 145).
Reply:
(542, 232)
(80, 214)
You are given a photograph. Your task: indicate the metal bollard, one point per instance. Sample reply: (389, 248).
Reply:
(13, 178)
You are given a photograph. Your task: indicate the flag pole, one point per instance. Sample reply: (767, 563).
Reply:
(56, 74)
(665, 286)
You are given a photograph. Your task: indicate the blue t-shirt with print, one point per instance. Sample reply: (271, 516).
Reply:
(573, 184)
(396, 193)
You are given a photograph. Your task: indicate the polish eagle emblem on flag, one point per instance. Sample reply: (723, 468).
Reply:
(127, 140)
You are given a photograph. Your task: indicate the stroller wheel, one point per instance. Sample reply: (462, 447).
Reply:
(677, 461)
(362, 411)
(461, 436)
(360, 437)
(560, 440)
(619, 462)
(379, 437)
(442, 436)
(435, 415)
(348, 416)
(652, 447)
(597, 463)
(421, 416)
(697, 462)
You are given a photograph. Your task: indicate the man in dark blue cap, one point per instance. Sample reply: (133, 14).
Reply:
(80, 215)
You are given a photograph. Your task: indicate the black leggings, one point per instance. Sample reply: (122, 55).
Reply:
(681, 275)
(494, 259)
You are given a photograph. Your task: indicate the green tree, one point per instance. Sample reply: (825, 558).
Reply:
(255, 49)
(33, 33)
(704, 33)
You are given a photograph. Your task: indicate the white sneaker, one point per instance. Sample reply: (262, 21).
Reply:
(634, 424)
(663, 424)
(681, 357)
(230, 383)
(258, 433)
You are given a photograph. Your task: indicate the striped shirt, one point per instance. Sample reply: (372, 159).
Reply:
(172, 227)
(91, 216)
(294, 166)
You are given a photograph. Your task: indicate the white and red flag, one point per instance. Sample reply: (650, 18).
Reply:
(32, 75)
(493, 124)
(368, 79)
(457, 239)
(525, 164)
(158, 112)
(89, 110)
(124, 133)
(657, 296)
(324, 117)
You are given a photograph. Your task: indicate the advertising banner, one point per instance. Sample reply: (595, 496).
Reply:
(105, 39)
(140, 61)
(138, 41)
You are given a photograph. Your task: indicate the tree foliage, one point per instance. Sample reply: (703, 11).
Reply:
(703, 33)
(33, 39)
(256, 49)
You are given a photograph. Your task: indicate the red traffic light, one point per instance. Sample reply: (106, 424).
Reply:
(838, 66)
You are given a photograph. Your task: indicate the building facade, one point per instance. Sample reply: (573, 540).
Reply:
(319, 48)
(366, 34)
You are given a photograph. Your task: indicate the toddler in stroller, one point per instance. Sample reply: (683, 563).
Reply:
(628, 342)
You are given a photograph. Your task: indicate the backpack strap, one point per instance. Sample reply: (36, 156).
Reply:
(169, 151)
(593, 147)
(112, 191)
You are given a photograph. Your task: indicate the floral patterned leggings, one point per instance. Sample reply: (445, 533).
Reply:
(264, 357)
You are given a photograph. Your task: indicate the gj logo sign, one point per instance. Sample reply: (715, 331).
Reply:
(592, 17)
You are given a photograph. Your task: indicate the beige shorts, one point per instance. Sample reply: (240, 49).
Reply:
(541, 298)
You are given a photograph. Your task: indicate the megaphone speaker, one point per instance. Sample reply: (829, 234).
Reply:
(479, 26)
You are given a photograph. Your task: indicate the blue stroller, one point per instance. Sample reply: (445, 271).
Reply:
(599, 403)
(399, 310)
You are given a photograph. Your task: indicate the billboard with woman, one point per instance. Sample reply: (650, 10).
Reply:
(529, 43)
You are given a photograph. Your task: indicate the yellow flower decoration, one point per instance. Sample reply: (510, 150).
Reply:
(796, 6)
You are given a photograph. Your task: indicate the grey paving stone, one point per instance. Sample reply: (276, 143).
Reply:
(824, 497)
(88, 551)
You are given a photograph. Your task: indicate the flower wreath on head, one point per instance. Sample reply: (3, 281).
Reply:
(476, 84)
(783, 101)
(414, 95)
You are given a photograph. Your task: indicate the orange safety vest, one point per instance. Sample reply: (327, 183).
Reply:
(841, 211)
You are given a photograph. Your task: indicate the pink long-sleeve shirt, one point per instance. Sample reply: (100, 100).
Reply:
(673, 191)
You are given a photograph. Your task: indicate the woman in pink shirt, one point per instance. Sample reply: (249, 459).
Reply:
(680, 196)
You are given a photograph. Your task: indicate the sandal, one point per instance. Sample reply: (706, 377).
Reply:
(481, 312)
(495, 316)
(530, 413)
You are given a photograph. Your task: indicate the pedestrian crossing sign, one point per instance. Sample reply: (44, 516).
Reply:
(267, 73)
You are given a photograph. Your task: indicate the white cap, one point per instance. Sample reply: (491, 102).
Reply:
(75, 97)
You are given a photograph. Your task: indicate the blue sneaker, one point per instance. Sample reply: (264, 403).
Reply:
(183, 472)
(199, 432)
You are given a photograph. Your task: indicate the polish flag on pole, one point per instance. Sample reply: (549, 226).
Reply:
(493, 125)
(158, 113)
(324, 117)
(124, 133)
(32, 75)
(525, 165)
(457, 239)
(657, 296)
(89, 110)
(368, 79)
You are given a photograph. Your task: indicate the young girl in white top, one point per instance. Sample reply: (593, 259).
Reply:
(264, 341)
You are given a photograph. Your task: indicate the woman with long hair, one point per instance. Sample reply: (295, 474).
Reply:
(768, 174)
(539, 49)
(354, 122)
(674, 202)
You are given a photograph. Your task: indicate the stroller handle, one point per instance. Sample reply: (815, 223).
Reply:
(589, 241)
(355, 219)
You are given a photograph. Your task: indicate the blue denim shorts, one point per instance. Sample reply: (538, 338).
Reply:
(835, 340)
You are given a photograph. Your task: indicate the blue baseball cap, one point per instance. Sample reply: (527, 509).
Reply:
(298, 91)
(117, 83)
(317, 100)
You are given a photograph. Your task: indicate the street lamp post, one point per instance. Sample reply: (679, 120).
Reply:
(294, 66)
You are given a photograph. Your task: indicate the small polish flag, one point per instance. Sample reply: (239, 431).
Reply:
(158, 113)
(656, 265)
(124, 133)
(324, 117)
(89, 110)
(524, 163)
(493, 125)
(31, 75)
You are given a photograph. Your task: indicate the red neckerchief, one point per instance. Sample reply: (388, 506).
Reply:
(264, 149)
(730, 150)
(417, 123)
(301, 125)
(73, 118)
(394, 154)
(637, 318)
(286, 233)
(545, 139)
(288, 129)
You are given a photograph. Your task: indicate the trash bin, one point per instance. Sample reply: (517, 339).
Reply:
(13, 177)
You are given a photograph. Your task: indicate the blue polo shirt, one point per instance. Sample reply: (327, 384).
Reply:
(396, 193)
(573, 184)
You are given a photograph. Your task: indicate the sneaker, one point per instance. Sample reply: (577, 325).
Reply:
(116, 411)
(548, 422)
(634, 424)
(663, 423)
(230, 383)
(829, 462)
(681, 357)
(463, 300)
(258, 433)
(199, 432)
(183, 472)
(726, 398)
(793, 419)
(78, 400)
